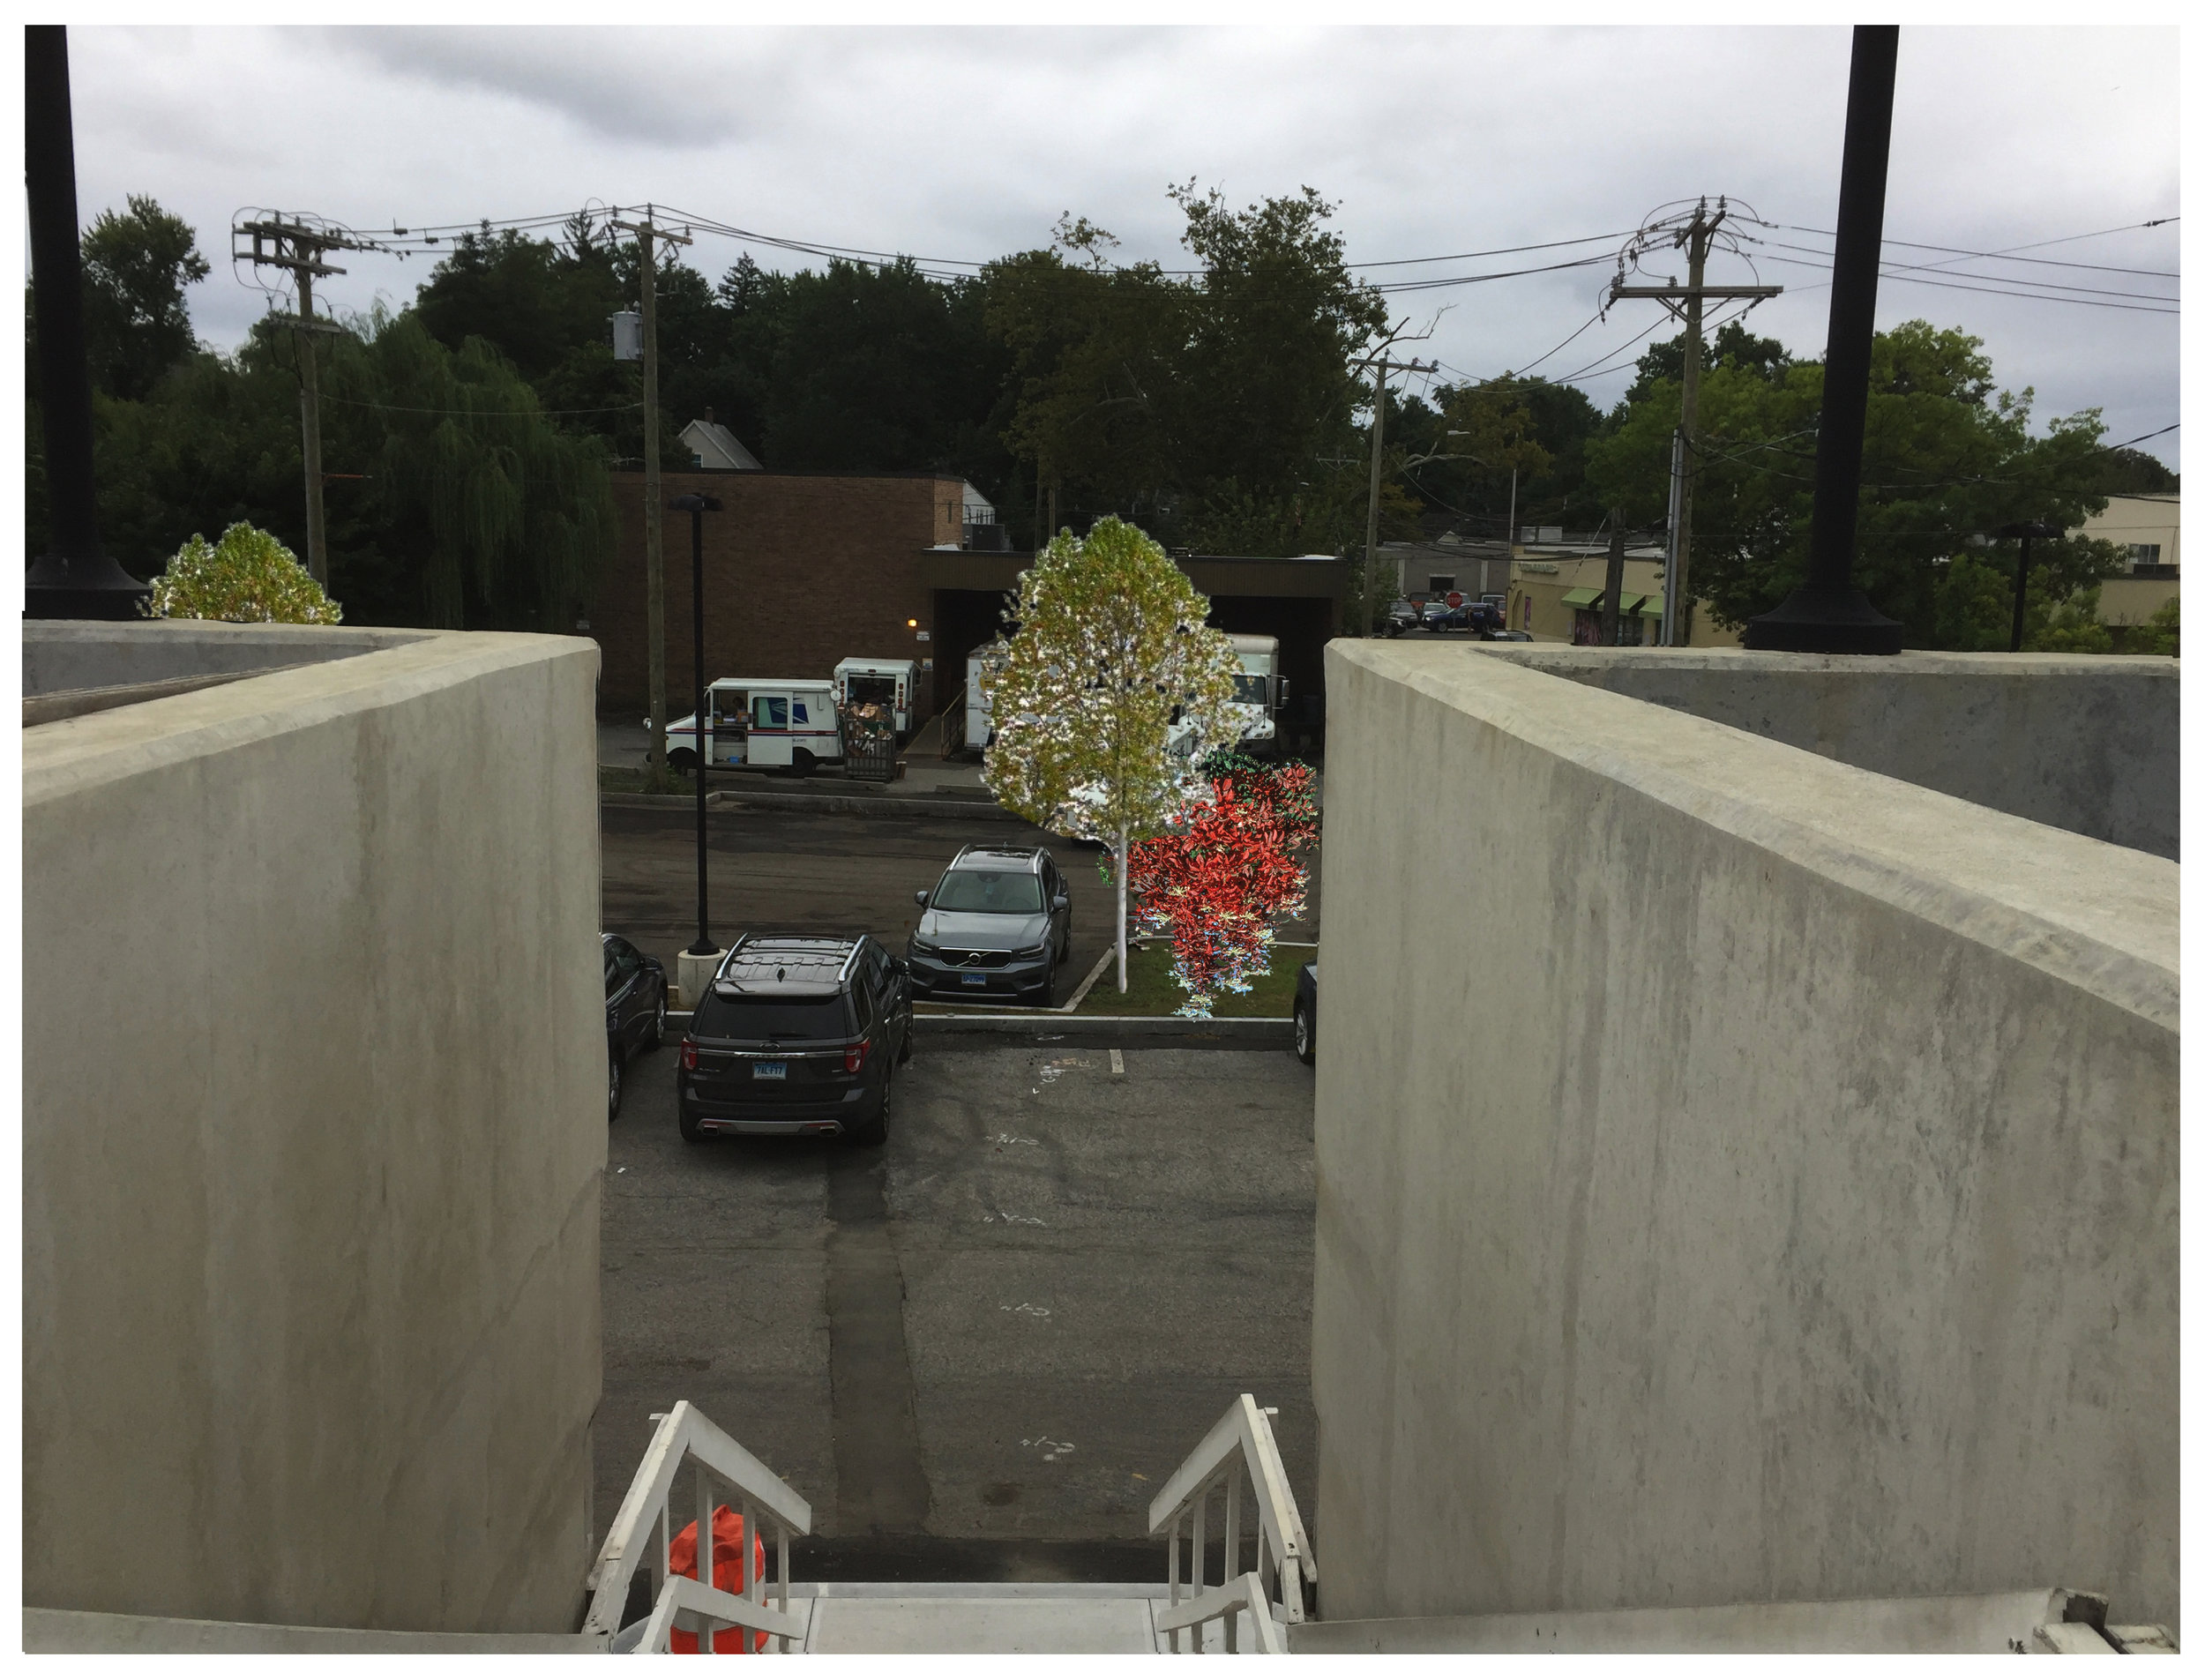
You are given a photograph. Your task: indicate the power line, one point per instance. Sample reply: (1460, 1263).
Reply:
(1908, 270)
(1999, 291)
(2040, 244)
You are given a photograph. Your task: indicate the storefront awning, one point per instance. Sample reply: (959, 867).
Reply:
(1584, 598)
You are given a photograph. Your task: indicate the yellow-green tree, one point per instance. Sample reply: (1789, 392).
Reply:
(1112, 652)
(248, 578)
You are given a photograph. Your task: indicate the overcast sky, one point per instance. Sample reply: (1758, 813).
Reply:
(964, 142)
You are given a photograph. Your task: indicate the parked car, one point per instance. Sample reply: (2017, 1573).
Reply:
(999, 920)
(1400, 616)
(635, 1012)
(1305, 1012)
(796, 1037)
(1437, 614)
(1511, 634)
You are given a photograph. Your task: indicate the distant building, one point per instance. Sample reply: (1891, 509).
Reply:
(714, 448)
(2150, 528)
(1555, 592)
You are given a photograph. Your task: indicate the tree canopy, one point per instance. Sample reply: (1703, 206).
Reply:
(1947, 458)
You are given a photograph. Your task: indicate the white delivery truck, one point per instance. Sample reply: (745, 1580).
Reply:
(891, 682)
(763, 722)
(1258, 693)
(980, 669)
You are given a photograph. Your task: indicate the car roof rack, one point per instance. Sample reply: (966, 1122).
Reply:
(1024, 854)
(786, 966)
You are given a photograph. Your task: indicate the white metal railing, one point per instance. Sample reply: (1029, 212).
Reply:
(687, 1437)
(1239, 1450)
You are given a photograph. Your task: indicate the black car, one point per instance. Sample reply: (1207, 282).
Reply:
(999, 920)
(796, 1037)
(635, 1012)
(1305, 1012)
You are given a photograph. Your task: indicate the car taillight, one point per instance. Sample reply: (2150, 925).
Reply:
(689, 1056)
(853, 1057)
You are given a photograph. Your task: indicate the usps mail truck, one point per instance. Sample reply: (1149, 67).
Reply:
(762, 723)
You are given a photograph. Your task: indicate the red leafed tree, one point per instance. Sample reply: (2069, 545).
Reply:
(1227, 874)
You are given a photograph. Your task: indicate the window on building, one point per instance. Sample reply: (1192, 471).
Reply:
(1441, 583)
(2143, 553)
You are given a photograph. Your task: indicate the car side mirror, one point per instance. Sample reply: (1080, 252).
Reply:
(898, 965)
(919, 899)
(1062, 901)
(1281, 694)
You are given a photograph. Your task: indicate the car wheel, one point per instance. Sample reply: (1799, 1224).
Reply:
(800, 762)
(1046, 993)
(903, 1050)
(612, 1083)
(691, 1132)
(680, 758)
(1304, 1033)
(874, 1132)
(658, 1021)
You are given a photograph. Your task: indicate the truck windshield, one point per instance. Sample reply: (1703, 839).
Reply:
(1248, 691)
(1005, 892)
(872, 689)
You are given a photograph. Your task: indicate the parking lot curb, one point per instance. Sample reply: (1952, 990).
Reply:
(1259, 1028)
(859, 804)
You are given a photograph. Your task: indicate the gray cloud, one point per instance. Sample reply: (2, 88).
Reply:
(968, 142)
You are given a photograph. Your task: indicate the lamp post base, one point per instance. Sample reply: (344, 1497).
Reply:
(1825, 621)
(96, 588)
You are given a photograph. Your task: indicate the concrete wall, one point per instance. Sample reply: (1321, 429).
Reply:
(1800, 1222)
(61, 654)
(2083, 743)
(313, 1134)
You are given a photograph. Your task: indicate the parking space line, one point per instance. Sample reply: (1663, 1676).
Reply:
(1117, 1062)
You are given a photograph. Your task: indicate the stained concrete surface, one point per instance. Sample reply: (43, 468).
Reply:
(1091, 1265)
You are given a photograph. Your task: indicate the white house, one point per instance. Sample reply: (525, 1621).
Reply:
(714, 447)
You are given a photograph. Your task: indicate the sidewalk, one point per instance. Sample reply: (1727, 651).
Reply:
(625, 747)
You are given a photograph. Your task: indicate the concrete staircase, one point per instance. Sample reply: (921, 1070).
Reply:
(638, 1604)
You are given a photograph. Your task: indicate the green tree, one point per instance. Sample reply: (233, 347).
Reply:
(2160, 633)
(248, 578)
(1111, 648)
(136, 267)
(1946, 457)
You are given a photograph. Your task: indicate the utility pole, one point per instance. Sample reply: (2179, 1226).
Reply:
(1697, 236)
(2027, 531)
(1382, 363)
(1828, 614)
(1611, 598)
(647, 235)
(297, 247)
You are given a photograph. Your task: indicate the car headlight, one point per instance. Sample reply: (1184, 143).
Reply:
(922, 948)
(1031, 953)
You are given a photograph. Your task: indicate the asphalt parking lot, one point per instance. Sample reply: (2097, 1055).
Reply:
(783, 872)
(979, 1350)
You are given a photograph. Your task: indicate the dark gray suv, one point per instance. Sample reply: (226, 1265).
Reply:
(997, 923)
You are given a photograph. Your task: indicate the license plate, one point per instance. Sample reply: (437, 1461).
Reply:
(769, 1069)
(975, 980)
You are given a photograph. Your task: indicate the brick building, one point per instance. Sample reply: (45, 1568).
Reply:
(803, 570)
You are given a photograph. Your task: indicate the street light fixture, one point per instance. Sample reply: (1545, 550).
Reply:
(697, 507)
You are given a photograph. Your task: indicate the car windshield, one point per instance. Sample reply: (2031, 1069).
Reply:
(1248, 690)
(1004, 891)
(751, 1019)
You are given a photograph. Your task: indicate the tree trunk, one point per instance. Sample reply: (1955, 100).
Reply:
(1121, 910)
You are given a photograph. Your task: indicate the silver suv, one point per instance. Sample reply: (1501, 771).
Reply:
(997, 923)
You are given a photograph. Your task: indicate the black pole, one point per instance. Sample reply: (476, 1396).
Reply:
(74, 578)
(1828, 614)
(2026, 531)
(697, 507)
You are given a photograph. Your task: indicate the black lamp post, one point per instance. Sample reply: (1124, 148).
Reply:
(697, 507)
(2026, 530)
(75, 578)
(1828, 614)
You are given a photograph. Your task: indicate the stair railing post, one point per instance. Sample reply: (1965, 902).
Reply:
(1232, 1549)
(703, 1552)
(781, 1535)
(1174, 1574)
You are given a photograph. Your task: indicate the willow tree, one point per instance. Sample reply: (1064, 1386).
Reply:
(501, 518)
(1112, 688)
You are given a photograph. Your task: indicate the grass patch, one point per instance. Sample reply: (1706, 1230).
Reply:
(1150, 989)
(636, 778)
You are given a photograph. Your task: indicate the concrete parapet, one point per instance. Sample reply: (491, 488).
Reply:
(2082, 742)
(311, 1195)
(1800, 1221)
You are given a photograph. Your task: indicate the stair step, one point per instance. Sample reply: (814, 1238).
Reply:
(909, 1618)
